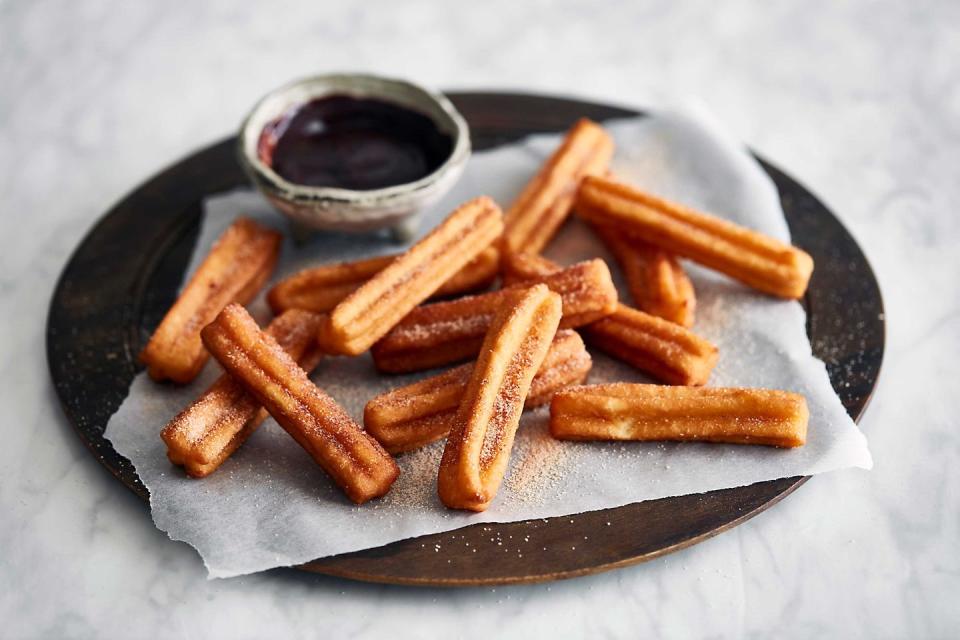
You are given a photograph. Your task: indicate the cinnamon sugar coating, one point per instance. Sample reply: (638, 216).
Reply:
(622, 411)
(656, 280)
(664, 349)
(352, 457)
(368, 313)
(478, 447)
(668, 351)
(756, 260)
(321, 288)
(417, 414)
(238, 265)
(446, 332)
(219, 421)
(543, 205)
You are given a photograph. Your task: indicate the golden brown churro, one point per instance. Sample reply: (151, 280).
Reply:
(750, 257)
(545, 202)
(239, 263)
(667, 351)
(524, 267)
(322, 288)
(480, 440)
(217, 423)
(368, 313)
(417, 414)
(622, 411)
(655, 278)
(663, 349)
(446, 332)
(353, 458)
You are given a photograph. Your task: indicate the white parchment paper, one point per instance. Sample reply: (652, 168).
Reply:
(270, 505)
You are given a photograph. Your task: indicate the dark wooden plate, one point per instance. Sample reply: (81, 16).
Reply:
(125, 274)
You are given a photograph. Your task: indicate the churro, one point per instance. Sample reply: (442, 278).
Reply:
(412, 416)
(622, 411)
(543, 205)
(446, 332)
(321, 288)
(481, 437)
(352, 457)
(665, 350)
(656, 280)
(202, 436)
(239, 263)
(368, 313)
(757, 260)
(524, 267)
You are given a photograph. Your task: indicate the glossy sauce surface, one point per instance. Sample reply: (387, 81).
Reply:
(353, 143)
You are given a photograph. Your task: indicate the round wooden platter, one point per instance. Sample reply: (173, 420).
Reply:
(126, 272)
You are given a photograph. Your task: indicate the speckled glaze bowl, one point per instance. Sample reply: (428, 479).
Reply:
(345, 209)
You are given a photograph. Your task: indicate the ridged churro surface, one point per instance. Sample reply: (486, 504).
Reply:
(669, 352)
(212, 427)
(656, 279)
(537, 213)
(664, 349)
(352, 458)
(524, 267)
(368, 313)
(622, 411)
(239, 263)
(321, 288)
(446, 332)
(478, 446)
(414, 415)
(757, 260)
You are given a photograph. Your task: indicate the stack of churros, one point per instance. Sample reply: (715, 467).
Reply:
(208, 431)
(320, 289)
(519, 338)
(412, 416)
(352, 457)
(665, 350)
(446, 332)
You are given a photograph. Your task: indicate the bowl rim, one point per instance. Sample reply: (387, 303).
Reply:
(264, 175)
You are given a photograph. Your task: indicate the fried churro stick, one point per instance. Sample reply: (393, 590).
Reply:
(217, 423)
(546, 201)
(352, 458)
(412, 416)
(321, 288)
(478, 446)
(446, 332)
(667, 351)
(368, 313)
(655, 278)
(239, 263)
(750, 257)
(524, 267)
(622, 411)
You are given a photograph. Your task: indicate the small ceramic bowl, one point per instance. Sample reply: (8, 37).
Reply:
(345, 209)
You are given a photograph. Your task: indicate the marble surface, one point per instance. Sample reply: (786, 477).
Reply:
(859, 100)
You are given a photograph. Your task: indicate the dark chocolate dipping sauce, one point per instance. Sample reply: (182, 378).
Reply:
(353, 143)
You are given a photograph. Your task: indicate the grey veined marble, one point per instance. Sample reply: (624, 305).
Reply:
(859, 100)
